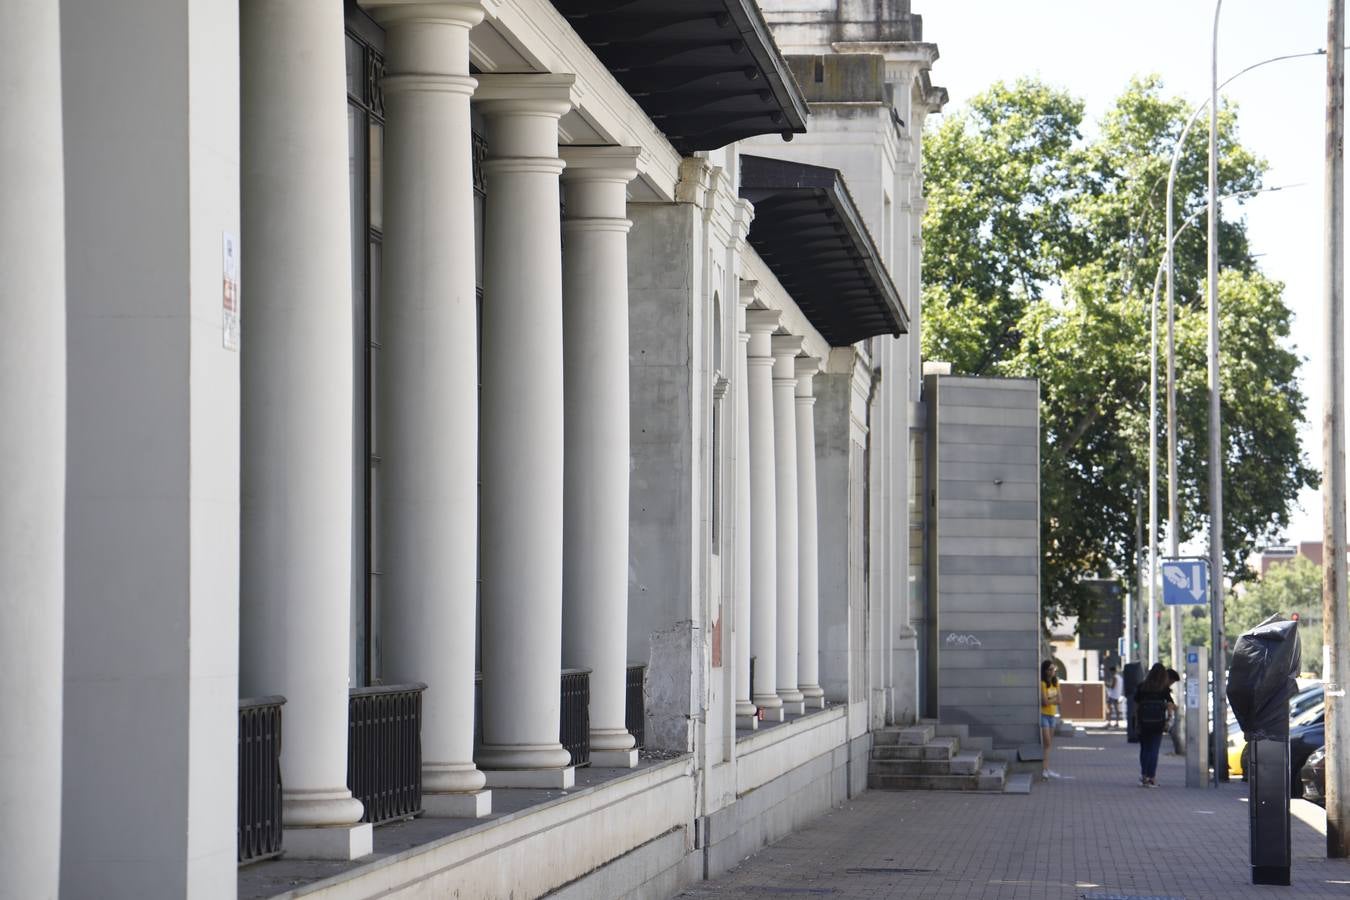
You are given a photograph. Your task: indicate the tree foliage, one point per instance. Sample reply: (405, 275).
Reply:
(1041, 250)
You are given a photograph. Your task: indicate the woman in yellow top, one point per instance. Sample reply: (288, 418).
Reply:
(1049, 709)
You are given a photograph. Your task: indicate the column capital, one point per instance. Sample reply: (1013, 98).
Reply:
(603, 164)
(746, 295)
(526, 95)
(787, 346)
(744, 215)
(466, 13)
(762, 321)
(807, 367)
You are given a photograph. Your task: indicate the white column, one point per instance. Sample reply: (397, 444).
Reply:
(428, 389)
(596, 458)
(808, 548)
(32, 446)
(761, 323)
(521, 438)
(745, 708)
(297, 409)
(785, 349)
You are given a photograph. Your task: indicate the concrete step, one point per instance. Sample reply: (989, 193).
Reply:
(879, 782)
(885, 737)
(960, 732)
(977, 742)
(993, 776)
(938, 749)
(915, 734)
(1018, 783)
(917, 767)
(967, 763)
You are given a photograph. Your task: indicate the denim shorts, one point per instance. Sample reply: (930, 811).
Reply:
(1047, 721)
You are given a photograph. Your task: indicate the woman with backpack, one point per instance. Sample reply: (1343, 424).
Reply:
(1152, 703)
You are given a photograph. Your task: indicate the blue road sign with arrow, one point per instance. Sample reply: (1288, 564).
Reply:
(1185, 581)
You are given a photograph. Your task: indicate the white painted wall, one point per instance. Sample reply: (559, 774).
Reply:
(151, 119)
(32, 446)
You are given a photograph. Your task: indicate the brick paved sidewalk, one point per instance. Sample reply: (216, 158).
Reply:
(1097, 835)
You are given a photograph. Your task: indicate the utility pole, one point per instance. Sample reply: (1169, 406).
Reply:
(1219, 659)
(1335, 617)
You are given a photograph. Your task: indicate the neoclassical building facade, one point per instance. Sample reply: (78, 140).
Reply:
(465, 442)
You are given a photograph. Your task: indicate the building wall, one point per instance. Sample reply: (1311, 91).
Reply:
(984, 449)
(151, 646)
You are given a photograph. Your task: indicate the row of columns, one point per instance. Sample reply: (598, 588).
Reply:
(777, 541)
(474, 500)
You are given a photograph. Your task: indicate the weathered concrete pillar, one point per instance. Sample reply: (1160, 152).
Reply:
(521, 441)
(745, 708)
(808, 577)
(596, 458)
(763, 513)
(428, 389)
(297, 409)
(32, 446)
(785, 349)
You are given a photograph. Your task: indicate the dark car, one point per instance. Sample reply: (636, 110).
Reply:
(1306, 734)
(1314, 777)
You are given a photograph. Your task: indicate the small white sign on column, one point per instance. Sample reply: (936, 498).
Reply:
(229, 299)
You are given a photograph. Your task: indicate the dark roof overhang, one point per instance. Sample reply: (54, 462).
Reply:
(706, 72)
(810, 234)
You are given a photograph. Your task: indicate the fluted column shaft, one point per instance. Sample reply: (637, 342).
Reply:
(763, 505)
(596, 457)
(785, 349)
(745, 708)
(428, 387)
(521, 441)
(808, 548)
(33, 447)
(297, 418)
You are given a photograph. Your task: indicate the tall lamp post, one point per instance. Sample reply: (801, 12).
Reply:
(1220, 658)
(1173, 510)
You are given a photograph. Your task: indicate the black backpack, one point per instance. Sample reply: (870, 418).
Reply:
(1153, 711)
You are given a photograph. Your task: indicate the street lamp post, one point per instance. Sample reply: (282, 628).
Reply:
(1173, 511)
(1219, 657)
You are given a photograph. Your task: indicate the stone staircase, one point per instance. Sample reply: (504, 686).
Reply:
(932, 757)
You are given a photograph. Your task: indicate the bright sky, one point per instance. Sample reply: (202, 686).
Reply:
(1092, 48)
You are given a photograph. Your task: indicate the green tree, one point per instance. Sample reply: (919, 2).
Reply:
(1041, 249)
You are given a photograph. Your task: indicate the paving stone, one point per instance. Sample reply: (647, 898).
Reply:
(1095, 833)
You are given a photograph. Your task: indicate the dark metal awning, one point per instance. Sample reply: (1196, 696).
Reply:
(809, 233)
(706, 72)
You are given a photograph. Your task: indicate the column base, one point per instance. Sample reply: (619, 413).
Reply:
(562, 778)
(471, 805)
(341, 842)
(814, 694)
(771, 713)
(747, 723)
(614, 759)
(794, 707)
(745, 708)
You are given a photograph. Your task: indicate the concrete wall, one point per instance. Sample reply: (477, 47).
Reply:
(661, 629)
(984, 465)
(151, 120)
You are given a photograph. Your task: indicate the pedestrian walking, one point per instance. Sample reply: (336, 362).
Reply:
(1152, 703)
(1049, 710)
(1115, 690)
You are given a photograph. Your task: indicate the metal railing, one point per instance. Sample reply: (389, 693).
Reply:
(259, 778)
(384, 750)
(635, 705)
(575, 725)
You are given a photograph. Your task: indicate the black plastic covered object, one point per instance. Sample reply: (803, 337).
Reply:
(1261, 678)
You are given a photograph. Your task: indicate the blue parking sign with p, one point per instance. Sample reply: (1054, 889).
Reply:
(1185, 581)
